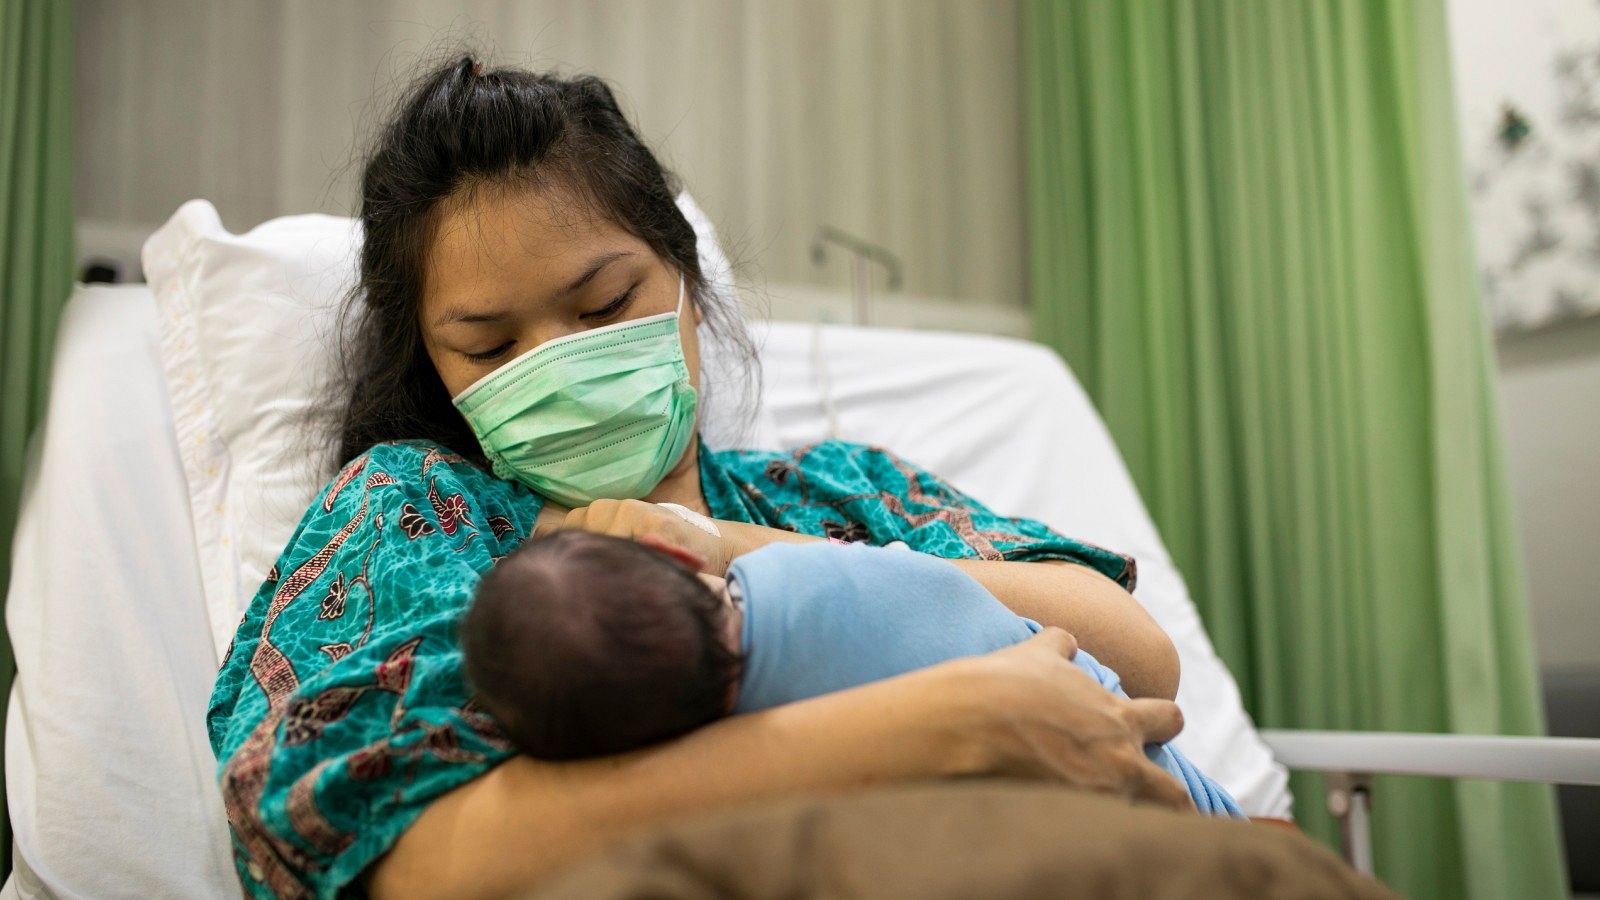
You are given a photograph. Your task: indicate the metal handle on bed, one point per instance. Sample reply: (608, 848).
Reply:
(1351, 758)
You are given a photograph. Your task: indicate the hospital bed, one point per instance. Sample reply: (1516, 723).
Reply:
(166, 474)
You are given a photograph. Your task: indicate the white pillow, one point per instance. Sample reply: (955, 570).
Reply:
(249, 328)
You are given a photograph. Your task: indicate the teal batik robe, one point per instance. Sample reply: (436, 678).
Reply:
(340, 712)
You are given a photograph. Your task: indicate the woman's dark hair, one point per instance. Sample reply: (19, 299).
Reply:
(458, 129)
(583, 644)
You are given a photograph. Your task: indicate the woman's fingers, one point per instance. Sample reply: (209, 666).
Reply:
(552, 518)
(1156, 785)
(1053, 720)
(1058, 640)
(596, 517)
(1156, 721)
(645, 522)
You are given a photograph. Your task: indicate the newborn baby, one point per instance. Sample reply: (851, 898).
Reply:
(582, 644)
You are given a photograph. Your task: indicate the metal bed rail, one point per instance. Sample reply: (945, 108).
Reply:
(1351, 758)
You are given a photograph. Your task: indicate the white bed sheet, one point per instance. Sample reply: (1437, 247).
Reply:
(108, 772)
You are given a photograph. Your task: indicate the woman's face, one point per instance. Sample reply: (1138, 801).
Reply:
(511, 269)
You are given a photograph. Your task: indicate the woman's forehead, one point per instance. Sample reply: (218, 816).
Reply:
(534, 242)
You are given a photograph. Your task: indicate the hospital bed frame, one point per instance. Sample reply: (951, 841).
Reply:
(1348, 760)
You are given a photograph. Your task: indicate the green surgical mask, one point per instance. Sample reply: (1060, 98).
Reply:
(604, 413)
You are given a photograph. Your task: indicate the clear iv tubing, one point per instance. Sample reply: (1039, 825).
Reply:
(824, 384)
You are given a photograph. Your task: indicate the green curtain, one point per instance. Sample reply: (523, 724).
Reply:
(36, 249)
(1248, 235)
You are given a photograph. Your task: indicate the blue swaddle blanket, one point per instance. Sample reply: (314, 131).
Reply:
(820, 618)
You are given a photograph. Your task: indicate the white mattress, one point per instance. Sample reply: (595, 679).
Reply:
(109, 774)
(108, 771)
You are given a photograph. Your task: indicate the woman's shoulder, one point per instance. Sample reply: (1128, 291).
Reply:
(418, 462)
(846, 465)
(410, 456)
(396, 473)
(760, 461)
(848, 459)
(819, 453)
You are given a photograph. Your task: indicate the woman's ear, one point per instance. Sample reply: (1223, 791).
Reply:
(683, 556)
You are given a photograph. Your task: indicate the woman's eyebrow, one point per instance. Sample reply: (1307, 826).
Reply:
(594, 267)
(457, 314)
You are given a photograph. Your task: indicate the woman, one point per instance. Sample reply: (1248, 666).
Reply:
(526, 360)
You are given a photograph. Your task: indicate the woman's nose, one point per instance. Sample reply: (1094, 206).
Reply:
(544, 333)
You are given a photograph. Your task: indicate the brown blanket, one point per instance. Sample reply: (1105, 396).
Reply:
(988, 838)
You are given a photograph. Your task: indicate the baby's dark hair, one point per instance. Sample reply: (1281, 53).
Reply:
(582, 645)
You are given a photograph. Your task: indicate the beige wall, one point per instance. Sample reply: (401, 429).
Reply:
(1550, 385)
(897, 120)
(1549, 379)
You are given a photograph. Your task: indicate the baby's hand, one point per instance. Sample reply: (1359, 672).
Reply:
(648, 524)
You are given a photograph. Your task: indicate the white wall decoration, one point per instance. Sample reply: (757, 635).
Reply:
(1528, 97)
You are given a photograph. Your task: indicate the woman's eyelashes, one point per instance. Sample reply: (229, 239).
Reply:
(488, 355)
(606, 313)
(613, 309)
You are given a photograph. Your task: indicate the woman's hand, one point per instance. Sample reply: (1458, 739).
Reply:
(647, 523)
(1039, 716)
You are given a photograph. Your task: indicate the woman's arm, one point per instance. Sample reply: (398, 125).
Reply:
(1093, 608)
(1096, 610)
(1021, 712)
(1104, 617)
(527, 818)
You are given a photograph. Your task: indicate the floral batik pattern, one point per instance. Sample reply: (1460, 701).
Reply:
(341, 712)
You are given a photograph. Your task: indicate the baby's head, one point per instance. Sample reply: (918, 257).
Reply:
(583, 645)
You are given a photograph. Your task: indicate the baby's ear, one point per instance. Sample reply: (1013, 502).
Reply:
(683, 556)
